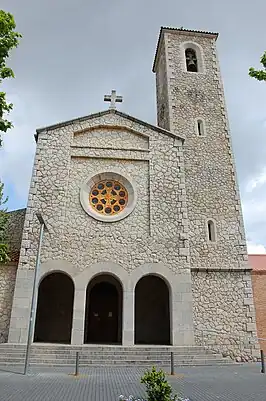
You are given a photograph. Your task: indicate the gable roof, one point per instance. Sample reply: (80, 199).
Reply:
(103, 113)
(180, 31)
(258, 262)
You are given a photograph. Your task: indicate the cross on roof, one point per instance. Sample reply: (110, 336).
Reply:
(113, 99)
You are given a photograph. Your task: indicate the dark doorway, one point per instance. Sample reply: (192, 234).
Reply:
(103, 316)
(152, 317)
(54, 309)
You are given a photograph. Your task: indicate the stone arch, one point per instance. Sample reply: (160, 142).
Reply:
(197, 49)
(57, 265)
(152, 311)
(81, 281)
(157, 269)
(103, 314)
(83, 278)
(54, 313)
(163, 279)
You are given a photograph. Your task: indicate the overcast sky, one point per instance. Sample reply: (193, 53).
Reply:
(75, 51)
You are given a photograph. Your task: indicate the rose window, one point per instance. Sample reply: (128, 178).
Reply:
(108, 197)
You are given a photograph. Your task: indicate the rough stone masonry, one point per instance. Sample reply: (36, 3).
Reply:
(177, 219)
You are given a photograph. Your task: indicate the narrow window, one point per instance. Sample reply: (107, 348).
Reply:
(211, 231)
(200, 127)
(191, 60)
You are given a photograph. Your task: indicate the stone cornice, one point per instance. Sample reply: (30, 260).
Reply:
(106, 112)
(258, 272)
(221, 269)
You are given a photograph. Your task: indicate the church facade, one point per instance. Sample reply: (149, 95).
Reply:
(145, 240)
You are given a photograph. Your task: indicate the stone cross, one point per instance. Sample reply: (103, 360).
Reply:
(113, 99)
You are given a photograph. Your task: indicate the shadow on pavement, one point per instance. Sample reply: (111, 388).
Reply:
(12, 370)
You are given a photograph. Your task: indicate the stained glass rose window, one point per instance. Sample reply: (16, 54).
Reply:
(108, 197)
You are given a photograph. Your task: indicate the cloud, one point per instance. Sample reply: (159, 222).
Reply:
(255, 248)
(254, 212)
(16, 156)
(257, 180)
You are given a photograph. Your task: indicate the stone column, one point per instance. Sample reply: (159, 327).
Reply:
(182, 311)
(128, 317)
(19, 322)
(78, 325)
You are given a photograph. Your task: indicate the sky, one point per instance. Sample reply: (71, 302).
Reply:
(75, 51)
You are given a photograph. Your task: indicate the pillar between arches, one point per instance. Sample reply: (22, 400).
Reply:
(78, 325)
(128, 318)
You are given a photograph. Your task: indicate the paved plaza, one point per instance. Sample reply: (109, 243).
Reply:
(235, 382)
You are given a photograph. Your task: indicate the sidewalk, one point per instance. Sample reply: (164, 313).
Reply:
(234, 383)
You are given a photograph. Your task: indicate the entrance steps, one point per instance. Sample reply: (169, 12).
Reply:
(54, 355)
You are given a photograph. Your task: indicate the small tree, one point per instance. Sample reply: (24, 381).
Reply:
(9, 39)
(3, 225)
(260, 75)
(157, 387)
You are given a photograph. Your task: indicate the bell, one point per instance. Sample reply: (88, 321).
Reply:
(191, 62)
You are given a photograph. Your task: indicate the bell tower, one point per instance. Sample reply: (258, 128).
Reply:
(190, 102)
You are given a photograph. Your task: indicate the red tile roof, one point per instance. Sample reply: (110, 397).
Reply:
(257, 262)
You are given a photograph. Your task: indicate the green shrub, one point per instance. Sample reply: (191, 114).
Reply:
(157, 387)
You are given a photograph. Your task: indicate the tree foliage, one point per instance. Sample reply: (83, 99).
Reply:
(260, 75)
(157, 387)
(9, 39)
(3, 223)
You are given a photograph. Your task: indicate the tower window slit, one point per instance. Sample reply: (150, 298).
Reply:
(211, 231)
(200, 127)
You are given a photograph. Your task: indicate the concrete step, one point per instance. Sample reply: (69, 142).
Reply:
(62, 363)
(64, 355)
(118, 352)
(43, 351)
(50, 351)
(102, 347)
(69, 361)
(103, 356)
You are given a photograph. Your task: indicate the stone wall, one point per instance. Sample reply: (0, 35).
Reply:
(14, 230)
(8, 272)
(162, 90)
(7, 285)
(154, 233)
(151, 233)
(224, 314)
(211, 184)
(117, 138)
(211, 189)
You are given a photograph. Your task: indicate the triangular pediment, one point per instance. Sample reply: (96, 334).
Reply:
(112, 121)
(111, 136)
